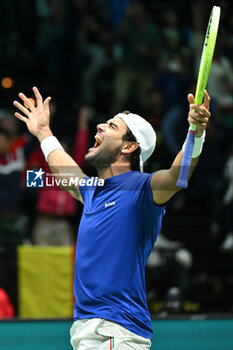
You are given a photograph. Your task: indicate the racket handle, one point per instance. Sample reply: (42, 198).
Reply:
(187, 158)
(192, 127)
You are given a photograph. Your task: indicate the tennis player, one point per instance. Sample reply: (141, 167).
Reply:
(120, 222)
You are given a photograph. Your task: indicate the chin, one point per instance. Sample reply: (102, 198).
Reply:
(90, 158)
(90, 155)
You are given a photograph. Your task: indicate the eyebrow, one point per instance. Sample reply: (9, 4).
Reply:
(110, 121)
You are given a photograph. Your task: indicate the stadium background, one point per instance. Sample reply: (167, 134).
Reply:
(85, 54)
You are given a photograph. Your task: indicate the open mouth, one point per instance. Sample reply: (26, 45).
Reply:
(98, 142)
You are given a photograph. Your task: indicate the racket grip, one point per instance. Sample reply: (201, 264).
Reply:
(186, 160)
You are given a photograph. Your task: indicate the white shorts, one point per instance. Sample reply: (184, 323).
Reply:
(101, 334)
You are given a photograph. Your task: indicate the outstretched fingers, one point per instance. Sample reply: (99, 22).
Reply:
(39, 99)
(22, 108)
(27, 102)
(46, 104)
(21, 117)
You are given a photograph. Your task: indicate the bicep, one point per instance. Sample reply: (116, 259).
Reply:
(162, 187)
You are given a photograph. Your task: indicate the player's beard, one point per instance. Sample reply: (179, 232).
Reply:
(104, 157)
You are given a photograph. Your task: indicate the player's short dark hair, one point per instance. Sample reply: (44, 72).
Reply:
(135, 155)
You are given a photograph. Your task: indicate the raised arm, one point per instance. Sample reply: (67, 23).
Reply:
(37, 119)
(163, 182)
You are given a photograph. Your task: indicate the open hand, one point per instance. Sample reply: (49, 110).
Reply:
(35, 117)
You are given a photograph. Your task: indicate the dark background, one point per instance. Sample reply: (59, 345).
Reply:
(76, 51)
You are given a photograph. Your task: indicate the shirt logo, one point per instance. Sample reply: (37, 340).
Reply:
(109, 204)
(35, 178)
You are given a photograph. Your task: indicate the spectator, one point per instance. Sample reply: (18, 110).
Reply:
(227, 244)
(168, 267)
(14, 152)
(220, 82)
(140, 41)
(51, 39)
(6, 307)
(98, 72)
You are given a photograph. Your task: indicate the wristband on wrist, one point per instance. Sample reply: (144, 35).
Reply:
(49, 144)
(198, 145)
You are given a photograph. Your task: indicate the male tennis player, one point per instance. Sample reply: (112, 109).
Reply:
(120, 221)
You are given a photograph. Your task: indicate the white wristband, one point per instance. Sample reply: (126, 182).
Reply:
(198, 145)
(49, 144)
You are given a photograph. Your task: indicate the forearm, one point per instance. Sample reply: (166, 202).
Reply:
(63, 165)
(58, 160)
(174, 171)
(163, 182)
(64, 168)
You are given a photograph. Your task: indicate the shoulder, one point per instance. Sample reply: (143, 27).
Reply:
(138, 176)
(138, 180)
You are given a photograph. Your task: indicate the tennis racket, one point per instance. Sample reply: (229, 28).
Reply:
(203, 74)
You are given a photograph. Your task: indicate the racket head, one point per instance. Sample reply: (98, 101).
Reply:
(207, 53)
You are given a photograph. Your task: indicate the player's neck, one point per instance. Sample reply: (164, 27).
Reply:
(114, 170)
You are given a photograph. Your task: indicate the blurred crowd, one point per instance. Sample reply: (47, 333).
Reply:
(97, 58)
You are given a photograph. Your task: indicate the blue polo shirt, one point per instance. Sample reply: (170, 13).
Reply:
(118, 229)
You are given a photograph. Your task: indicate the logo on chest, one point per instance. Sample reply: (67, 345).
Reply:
(109, 204)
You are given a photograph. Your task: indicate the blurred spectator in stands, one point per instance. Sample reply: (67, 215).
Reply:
(97, 74)
(155, 107)
(82, 32)
(171, 36)
(14, 152)
(139, 40)
(117, 11)
(55, 207)
(52, 37)
(6, 307)
(226, 31)
(93, 51)
(174, 81)
(198, 31)
(227, 244)
(9, 123)
(220, 82)
(168, 267)
(154, 110)
(173, 78)
(210, 171)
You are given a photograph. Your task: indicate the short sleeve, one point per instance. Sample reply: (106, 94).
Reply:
(151, 209)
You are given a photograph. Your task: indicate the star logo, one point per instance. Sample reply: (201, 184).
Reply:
(35, 178)
(39, 174)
